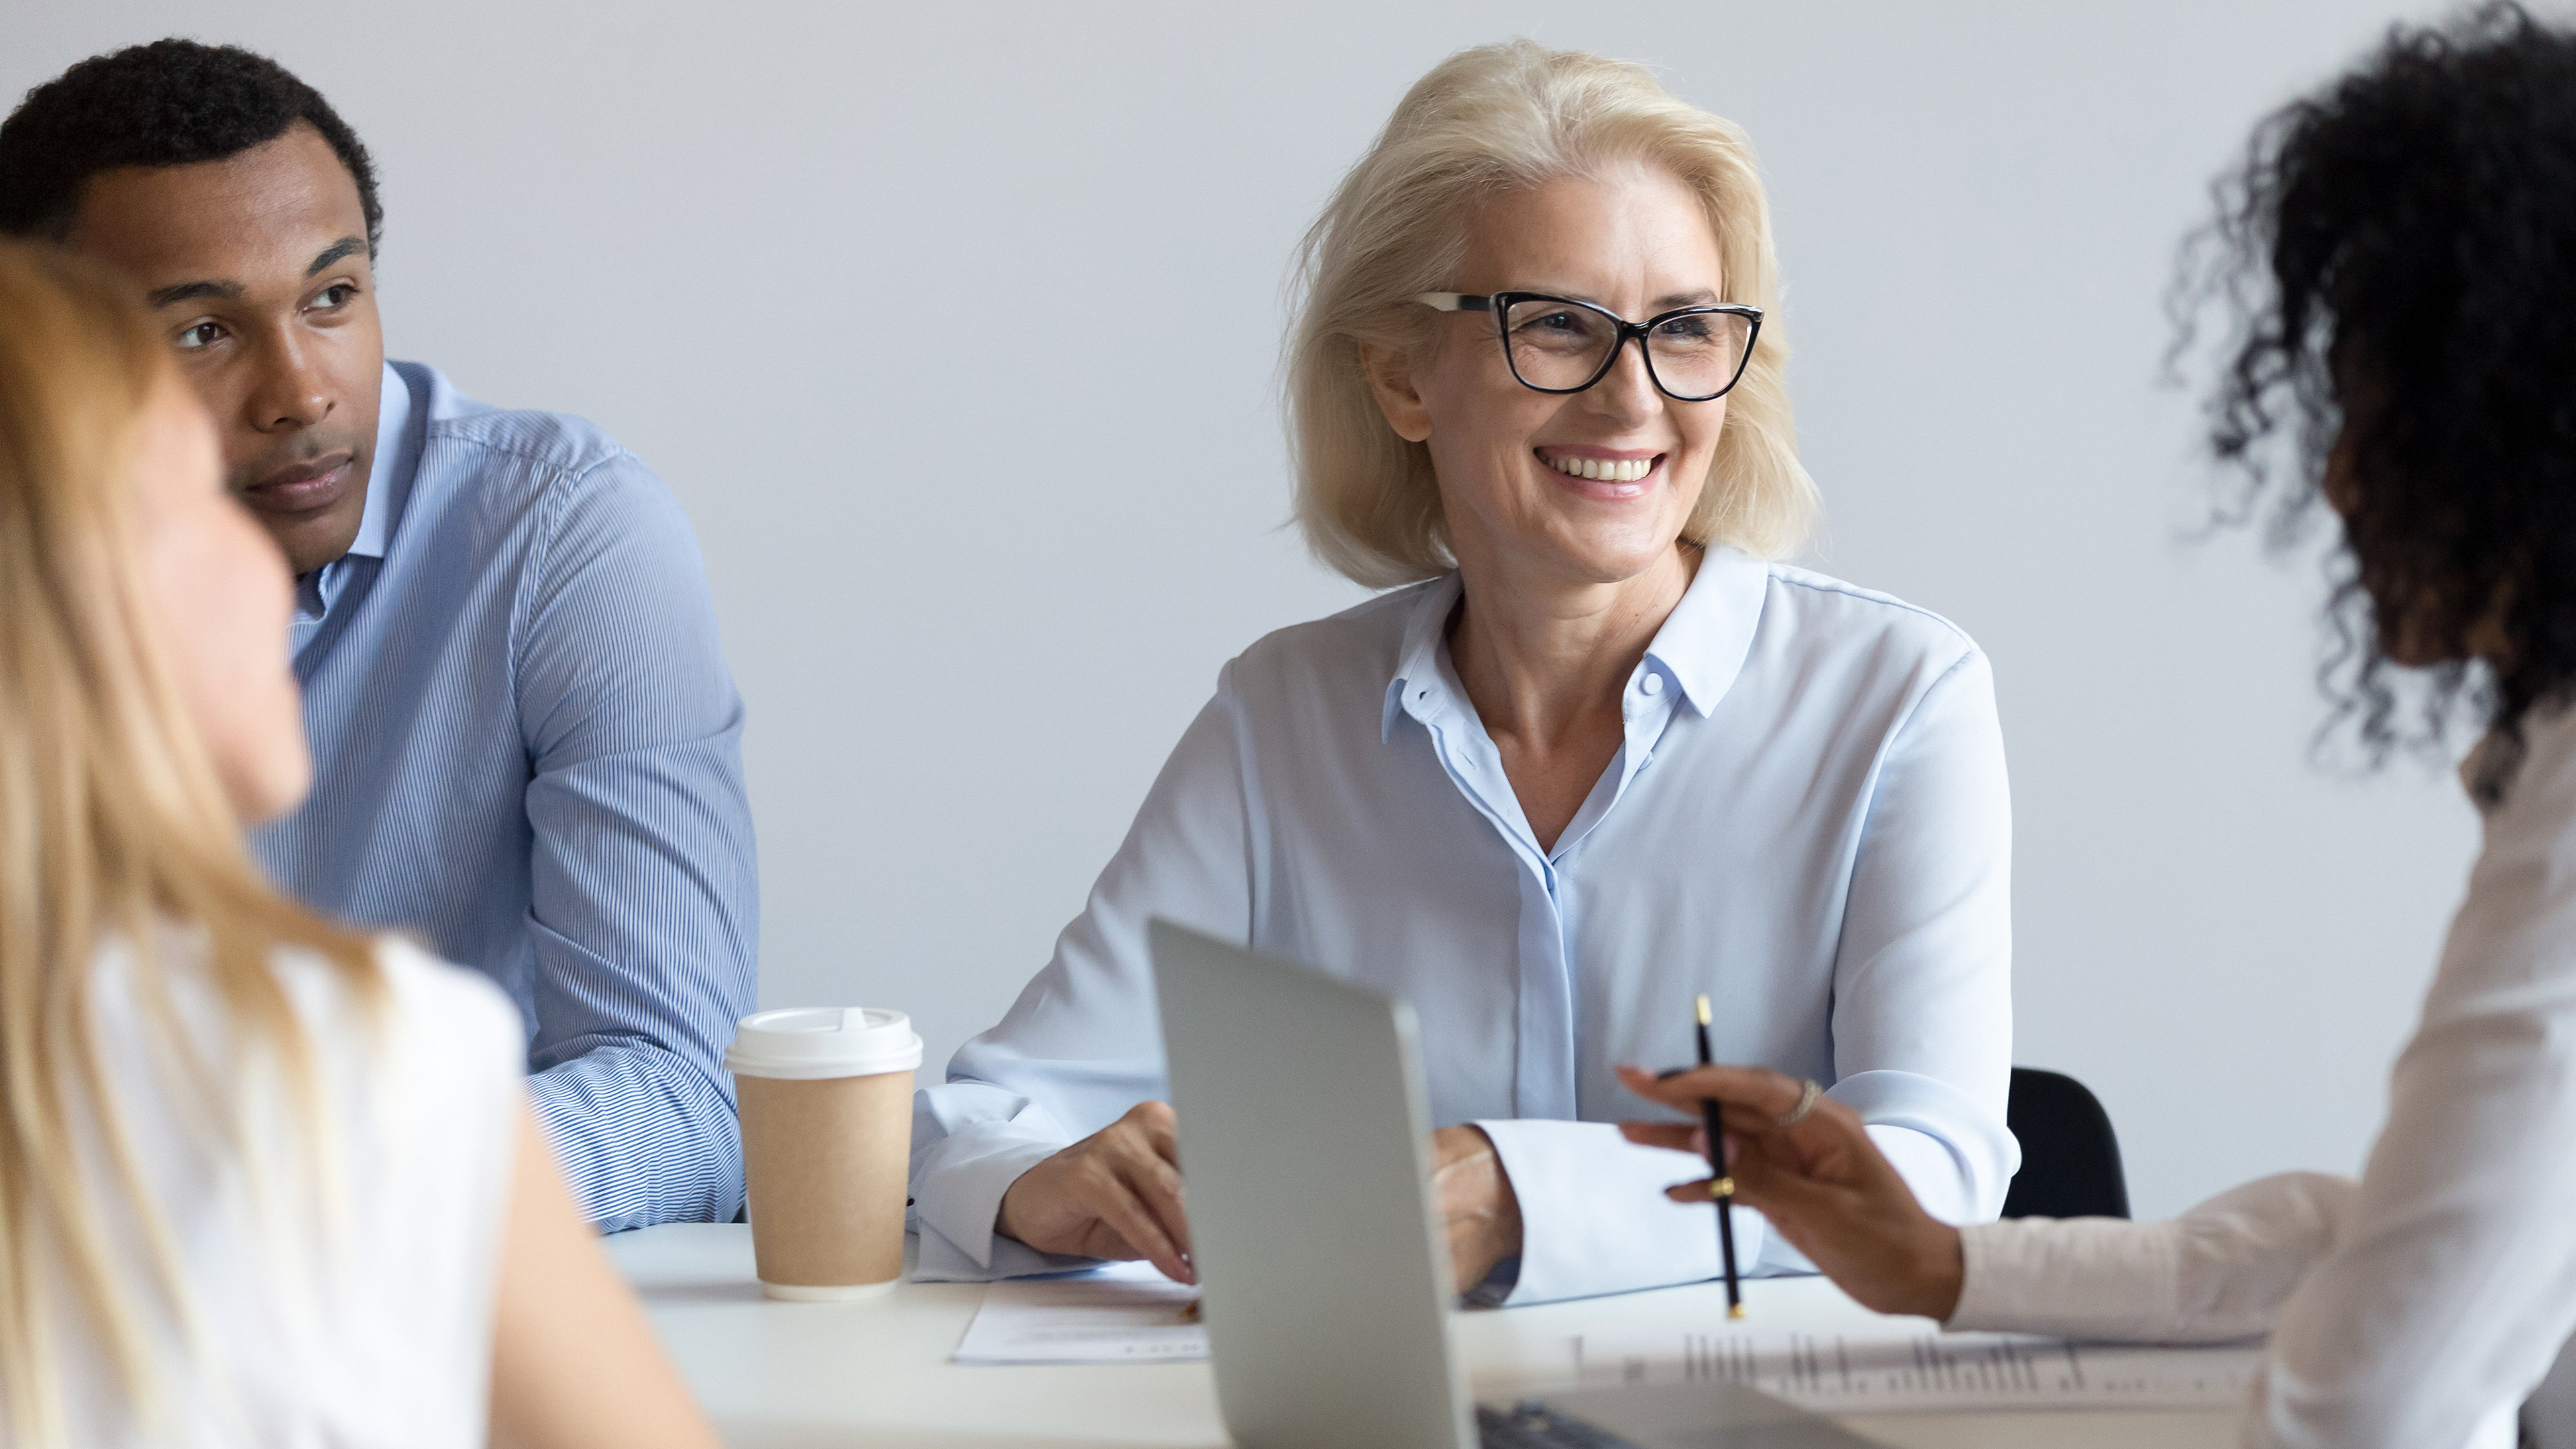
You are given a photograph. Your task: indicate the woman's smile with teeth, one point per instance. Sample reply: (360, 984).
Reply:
(1603, 470)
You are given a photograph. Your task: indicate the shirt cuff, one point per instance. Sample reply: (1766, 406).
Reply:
(1958, 1157)
(1929, 1171)
(941, 1261)
(970, 1142)
(1594, 1218)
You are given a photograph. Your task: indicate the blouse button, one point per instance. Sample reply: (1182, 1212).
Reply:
(1653, 684)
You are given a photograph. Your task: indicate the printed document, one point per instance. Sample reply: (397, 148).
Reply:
(1918, 1372)
(1128, 1313)
(1125, 1313)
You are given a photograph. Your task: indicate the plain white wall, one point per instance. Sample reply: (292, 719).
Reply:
(955, 328)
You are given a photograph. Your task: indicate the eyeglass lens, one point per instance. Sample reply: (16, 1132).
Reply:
(1553, 345)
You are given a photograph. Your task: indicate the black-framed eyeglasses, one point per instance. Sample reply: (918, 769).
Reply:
(1559, 345)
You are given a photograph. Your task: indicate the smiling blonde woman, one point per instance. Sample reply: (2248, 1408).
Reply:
(1491, 121)
(1591, 755)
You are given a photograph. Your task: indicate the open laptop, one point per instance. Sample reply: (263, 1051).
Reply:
(1304, 1132)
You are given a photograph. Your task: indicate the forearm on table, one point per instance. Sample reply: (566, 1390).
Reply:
(1957, 1156)
(1931, 1170)
(1594, 1218)
(646, 954)
(2455, 1262)
(2218, 1272)
(644, 1135)
(957, 1192)
(970, 1141)
(1930, 1167)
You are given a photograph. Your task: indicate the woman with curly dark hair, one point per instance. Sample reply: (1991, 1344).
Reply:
(2401, 251)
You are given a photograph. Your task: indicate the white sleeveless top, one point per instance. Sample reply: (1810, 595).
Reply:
(365, 1322)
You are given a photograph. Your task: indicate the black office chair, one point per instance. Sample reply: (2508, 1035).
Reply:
(2070, 1160)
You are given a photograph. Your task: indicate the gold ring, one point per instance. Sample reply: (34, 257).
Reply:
(1723, 1187)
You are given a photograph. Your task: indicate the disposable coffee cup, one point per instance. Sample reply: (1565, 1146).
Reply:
(826, 1100)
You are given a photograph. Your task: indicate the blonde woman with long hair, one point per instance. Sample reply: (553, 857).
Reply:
(262, 1180)
(1594, 752)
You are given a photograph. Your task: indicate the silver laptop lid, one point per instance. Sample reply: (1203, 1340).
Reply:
(1304, 1140)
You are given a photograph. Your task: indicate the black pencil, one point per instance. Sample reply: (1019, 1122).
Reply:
(1723, 1189)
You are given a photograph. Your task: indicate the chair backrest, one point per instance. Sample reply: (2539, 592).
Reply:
(2070, 1160)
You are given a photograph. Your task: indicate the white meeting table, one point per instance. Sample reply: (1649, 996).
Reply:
(876, 1373)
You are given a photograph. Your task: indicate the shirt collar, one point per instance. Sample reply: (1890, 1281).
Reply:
(1417, 661)
(1706, 637)
(1702, 644)
(389, 477)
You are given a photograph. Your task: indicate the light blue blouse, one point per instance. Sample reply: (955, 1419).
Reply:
(1808, 821)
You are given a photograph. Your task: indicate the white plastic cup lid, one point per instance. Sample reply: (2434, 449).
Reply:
(805, 1043)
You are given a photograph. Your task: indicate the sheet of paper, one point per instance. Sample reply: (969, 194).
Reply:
(1127, 1313)
(1927, 1372)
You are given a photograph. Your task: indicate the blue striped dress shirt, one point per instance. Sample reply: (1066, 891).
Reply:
(527, 749)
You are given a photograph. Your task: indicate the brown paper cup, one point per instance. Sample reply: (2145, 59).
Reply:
(825, 1161)
(825, 1156)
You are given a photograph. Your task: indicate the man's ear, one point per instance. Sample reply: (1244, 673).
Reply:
(1390, 378)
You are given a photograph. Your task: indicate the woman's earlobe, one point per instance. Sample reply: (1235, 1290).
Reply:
(1390, 380)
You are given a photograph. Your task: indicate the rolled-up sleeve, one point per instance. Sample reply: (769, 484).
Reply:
(1083, 1043)
(644, 904)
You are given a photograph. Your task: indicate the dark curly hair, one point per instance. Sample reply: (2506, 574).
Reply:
(2399, 255)
(170, 103)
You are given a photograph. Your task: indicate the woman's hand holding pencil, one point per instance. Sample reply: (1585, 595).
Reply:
(1821, 1182)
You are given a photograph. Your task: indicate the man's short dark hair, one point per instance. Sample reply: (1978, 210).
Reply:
(170, 103)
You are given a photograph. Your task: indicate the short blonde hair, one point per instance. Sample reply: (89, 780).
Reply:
(1486, 119)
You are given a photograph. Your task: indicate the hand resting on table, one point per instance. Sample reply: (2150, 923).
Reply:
(1117, 1194)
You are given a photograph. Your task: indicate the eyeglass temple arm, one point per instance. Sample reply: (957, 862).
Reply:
(1455, 301)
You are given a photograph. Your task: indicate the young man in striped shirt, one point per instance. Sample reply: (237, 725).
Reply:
(527, 745)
